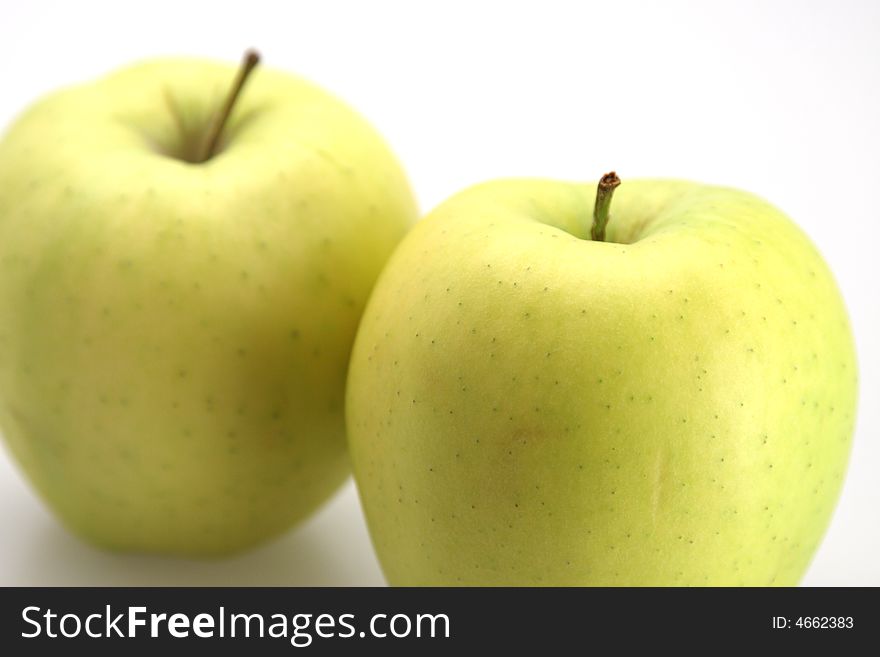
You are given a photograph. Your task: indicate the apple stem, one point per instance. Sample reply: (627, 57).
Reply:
(215, 129)
(607, 184)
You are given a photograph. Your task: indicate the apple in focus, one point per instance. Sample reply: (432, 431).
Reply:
(670, 405)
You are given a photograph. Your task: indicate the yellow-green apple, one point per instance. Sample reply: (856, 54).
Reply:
(671, 405)
(182, 271)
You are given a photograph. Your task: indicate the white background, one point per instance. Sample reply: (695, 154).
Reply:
(779, 98)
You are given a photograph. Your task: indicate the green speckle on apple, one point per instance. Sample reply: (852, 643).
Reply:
(670, 406)
(176, 319)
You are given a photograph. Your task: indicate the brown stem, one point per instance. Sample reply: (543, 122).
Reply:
(215, 129)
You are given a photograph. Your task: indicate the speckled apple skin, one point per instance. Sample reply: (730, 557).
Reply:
(528, 407)
(174, 338)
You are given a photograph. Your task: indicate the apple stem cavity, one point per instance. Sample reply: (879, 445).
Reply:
(215, 129)
(607, 184)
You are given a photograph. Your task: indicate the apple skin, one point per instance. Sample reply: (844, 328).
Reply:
(174, 337)
(671, 407)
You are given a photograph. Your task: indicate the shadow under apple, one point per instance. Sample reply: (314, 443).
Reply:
(318, 553)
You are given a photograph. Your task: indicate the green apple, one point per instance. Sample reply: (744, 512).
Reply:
(671, 406)
(180, 286)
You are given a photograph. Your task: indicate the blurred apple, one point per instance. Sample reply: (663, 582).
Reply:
(182, 271)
